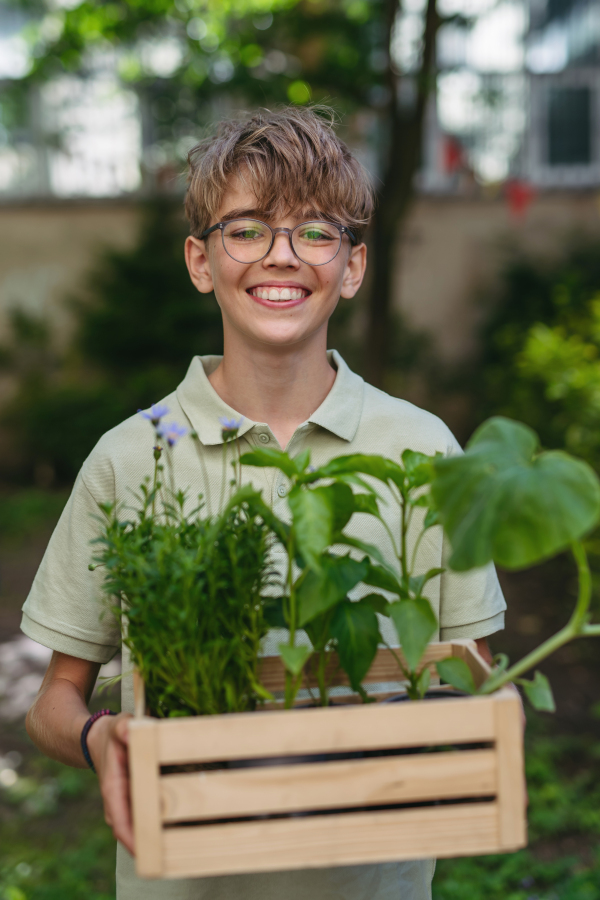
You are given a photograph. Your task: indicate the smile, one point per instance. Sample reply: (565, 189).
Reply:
(278, 295)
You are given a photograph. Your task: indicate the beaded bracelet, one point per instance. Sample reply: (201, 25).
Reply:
(84, 734)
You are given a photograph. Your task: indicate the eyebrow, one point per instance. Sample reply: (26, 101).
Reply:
(264, 215)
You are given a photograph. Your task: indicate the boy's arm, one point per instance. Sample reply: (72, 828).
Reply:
(54, 724)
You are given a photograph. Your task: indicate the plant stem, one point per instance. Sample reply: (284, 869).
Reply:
(403, 529)
(289, 682)
(576, 627)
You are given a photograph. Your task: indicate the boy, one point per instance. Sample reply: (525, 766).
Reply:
(277, 208)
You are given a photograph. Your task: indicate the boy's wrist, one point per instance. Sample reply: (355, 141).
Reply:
(93, 736)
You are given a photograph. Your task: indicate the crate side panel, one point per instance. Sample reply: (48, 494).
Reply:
(293, 732)
(511, 771)
(334, 840)
(330, 785)
(145, 799)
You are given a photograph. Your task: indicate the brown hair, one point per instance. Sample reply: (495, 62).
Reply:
(293, 160)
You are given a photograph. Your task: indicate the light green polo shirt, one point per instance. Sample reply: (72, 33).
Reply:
(65, 609)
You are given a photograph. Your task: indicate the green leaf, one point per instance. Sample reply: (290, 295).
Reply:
(312, 517)
(370, 549)
(538, 692)
(355, 628)
(418, 468)
(423, 681)
(378, 603)
(418, 582)
(294, 658)
(274, 615)
(267, 458)
(383, 579)
(341, 501)
(505, 501)
(356, 463)
(322, 589)
(301, 461)
(416, 624)
(432, 518)
(456, 672)
(366, 503)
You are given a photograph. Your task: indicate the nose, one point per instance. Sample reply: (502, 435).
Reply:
(281, 254)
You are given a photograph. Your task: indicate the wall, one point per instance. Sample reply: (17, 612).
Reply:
(449, 255)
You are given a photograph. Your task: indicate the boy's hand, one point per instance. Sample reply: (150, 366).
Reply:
(107, 743)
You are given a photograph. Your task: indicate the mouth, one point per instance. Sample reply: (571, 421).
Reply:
(279, 293)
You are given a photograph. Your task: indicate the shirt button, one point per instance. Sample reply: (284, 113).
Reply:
(281, 490)
(264, 438)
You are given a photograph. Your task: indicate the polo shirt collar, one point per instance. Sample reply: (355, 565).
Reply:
(339, 413)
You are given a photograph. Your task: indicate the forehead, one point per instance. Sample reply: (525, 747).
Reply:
(242, 200)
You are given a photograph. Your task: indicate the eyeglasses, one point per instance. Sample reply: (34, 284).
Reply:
(250, 240)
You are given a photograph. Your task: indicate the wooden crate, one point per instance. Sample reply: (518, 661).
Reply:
(466, 798)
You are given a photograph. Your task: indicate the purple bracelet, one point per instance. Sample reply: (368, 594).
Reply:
(84, 734)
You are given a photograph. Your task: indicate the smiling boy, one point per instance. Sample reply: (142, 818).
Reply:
(277, 208)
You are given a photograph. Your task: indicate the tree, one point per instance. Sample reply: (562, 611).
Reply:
(261, 52)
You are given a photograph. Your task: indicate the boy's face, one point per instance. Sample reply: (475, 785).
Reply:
(239, 286)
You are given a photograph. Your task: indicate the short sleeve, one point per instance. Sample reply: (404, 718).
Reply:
(471, 603)
(66, 609)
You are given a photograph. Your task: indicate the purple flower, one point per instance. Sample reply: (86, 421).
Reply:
(157, 412)
(230, 427)
(171, 433)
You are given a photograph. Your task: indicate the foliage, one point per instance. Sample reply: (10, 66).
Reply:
(562, 860)
(189, 590)
(506, 502)
(134, 340)
(25, 512)
(541, 346)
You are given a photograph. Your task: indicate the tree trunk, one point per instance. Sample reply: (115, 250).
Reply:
(405, 129)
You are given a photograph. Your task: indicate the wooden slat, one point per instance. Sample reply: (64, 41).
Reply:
(293, 732)
(144, 768)
(139, 695)
(467, 650)
(331, 785)
(512, 824)
(384, 669)
(300, 843)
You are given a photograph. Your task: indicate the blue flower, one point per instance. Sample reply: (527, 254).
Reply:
(230, 427)
(157, 412)
(172, 432)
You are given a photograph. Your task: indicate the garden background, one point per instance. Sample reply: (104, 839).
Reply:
(479, 121)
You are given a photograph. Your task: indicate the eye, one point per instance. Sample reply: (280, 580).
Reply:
(314, 233)
(246, 234)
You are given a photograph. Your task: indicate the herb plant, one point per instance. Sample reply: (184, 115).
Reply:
(190, 588)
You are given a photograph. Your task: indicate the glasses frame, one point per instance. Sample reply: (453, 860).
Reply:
(220, 226)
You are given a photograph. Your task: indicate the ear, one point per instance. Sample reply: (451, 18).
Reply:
(196, 259)
(354, 271)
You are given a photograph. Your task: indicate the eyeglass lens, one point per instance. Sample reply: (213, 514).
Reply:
(247, 241)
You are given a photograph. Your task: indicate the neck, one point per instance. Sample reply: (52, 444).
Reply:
(279, 386)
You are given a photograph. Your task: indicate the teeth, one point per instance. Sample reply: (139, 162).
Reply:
(275, 295)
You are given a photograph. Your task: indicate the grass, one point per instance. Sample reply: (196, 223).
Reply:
(25, 512)
(55, 845)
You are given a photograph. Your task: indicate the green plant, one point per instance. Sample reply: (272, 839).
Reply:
(506, 501)
(190, 591)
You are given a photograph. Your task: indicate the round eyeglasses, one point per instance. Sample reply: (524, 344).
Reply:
(250, 240)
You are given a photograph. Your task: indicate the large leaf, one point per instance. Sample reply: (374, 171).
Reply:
(538, 692)
(312, 516)
(356, 463)
(266, 458)
(356, 630)
(457, 673)
(379, 577)
(341, 501)
(322, 589)
(416, 624)
(294, 658)
(505, 501)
